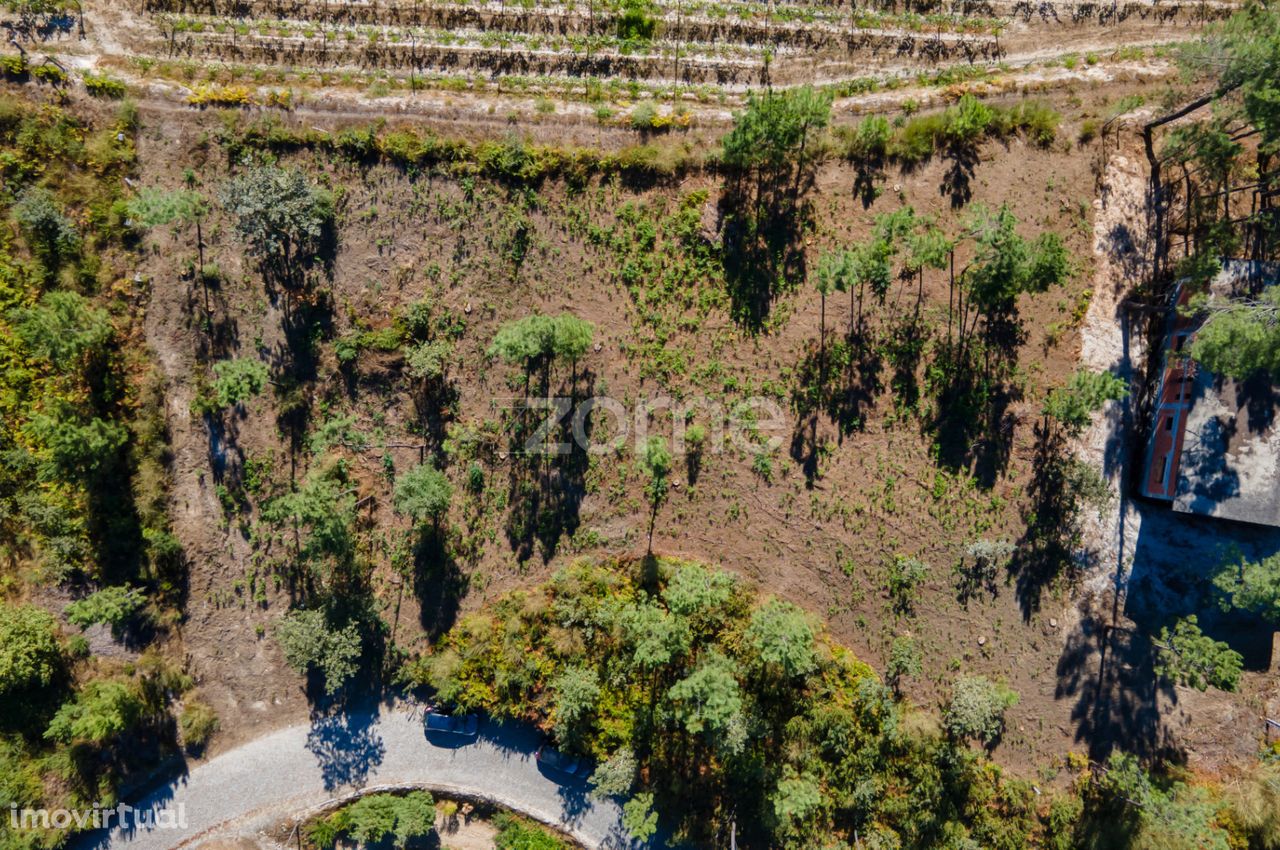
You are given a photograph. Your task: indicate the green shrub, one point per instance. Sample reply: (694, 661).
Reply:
(14, 67)
(976, 709)
(197, 723)
(644, 116)
(869, 140)
(115, 606)
(918, 138)
(30, 654)
(99, 85)
(1037, 120)
(49, 73)
(1088, 131)
(515, 833)
(637, 21)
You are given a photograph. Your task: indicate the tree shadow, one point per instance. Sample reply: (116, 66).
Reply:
(547, 475)
(1110, 672)
(962, 160)
(972, 425)
(438, 582)
(346, 745)
(761, 248)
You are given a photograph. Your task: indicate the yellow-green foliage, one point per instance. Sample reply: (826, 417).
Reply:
(215, 95)
(510, 160)
(82, 474)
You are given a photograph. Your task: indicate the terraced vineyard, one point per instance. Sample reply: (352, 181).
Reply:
(724, 47)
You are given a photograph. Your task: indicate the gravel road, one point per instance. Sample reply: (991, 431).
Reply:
(293, 769)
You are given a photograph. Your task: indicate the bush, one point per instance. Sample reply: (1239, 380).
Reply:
(869, 140)
(115, 606)
(515, 833)
(30, 655)
(226, 96)
(310, 643)
(197, 723)
(104, 87)
(1038, 120)
(977, 707)
(637, 21)
(373, 818)
(49, 73)
(14, 67)
(644, 117)
(918, 138)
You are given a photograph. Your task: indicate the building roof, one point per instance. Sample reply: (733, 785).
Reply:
(1215, 442)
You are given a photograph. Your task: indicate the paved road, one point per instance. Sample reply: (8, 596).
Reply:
(301, 766)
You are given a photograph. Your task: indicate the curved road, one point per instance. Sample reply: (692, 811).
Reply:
(293, 769)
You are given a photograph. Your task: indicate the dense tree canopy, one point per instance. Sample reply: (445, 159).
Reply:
(310, 643)
(30, 654)
(279, 213)
(1189, 657)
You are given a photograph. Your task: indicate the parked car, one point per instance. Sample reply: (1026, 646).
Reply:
(559, 762)
(466, 725)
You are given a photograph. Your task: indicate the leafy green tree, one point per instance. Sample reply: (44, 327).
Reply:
(698, 595)
(31, 656)
(1006, 265)
(639, 818)
(826, 280)
(423, 493)
(776, 129)
(50, 233)
(904, 662)
(1252, 586)
(976, 709)
(904, 579)
(795, 801)
(375, 817)
(1191, 658)
(929, 247)
(236, 381)
(781, 636)
(709, 699)
(310, 642)
(103, 710)
(64, 330)
(655, 462)
(326, 514)
(75, 447)
(577, 690)
(116, 606)
(1241, 338)
(615, 776)
(656, 637)
(1071, 405)
(279, 213)
(541, 339)
(967, 122)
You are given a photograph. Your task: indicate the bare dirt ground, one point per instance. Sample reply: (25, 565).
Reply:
(882, 491)
(825, 547)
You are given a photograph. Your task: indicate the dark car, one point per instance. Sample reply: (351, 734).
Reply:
(466, 725)
(561, 763)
